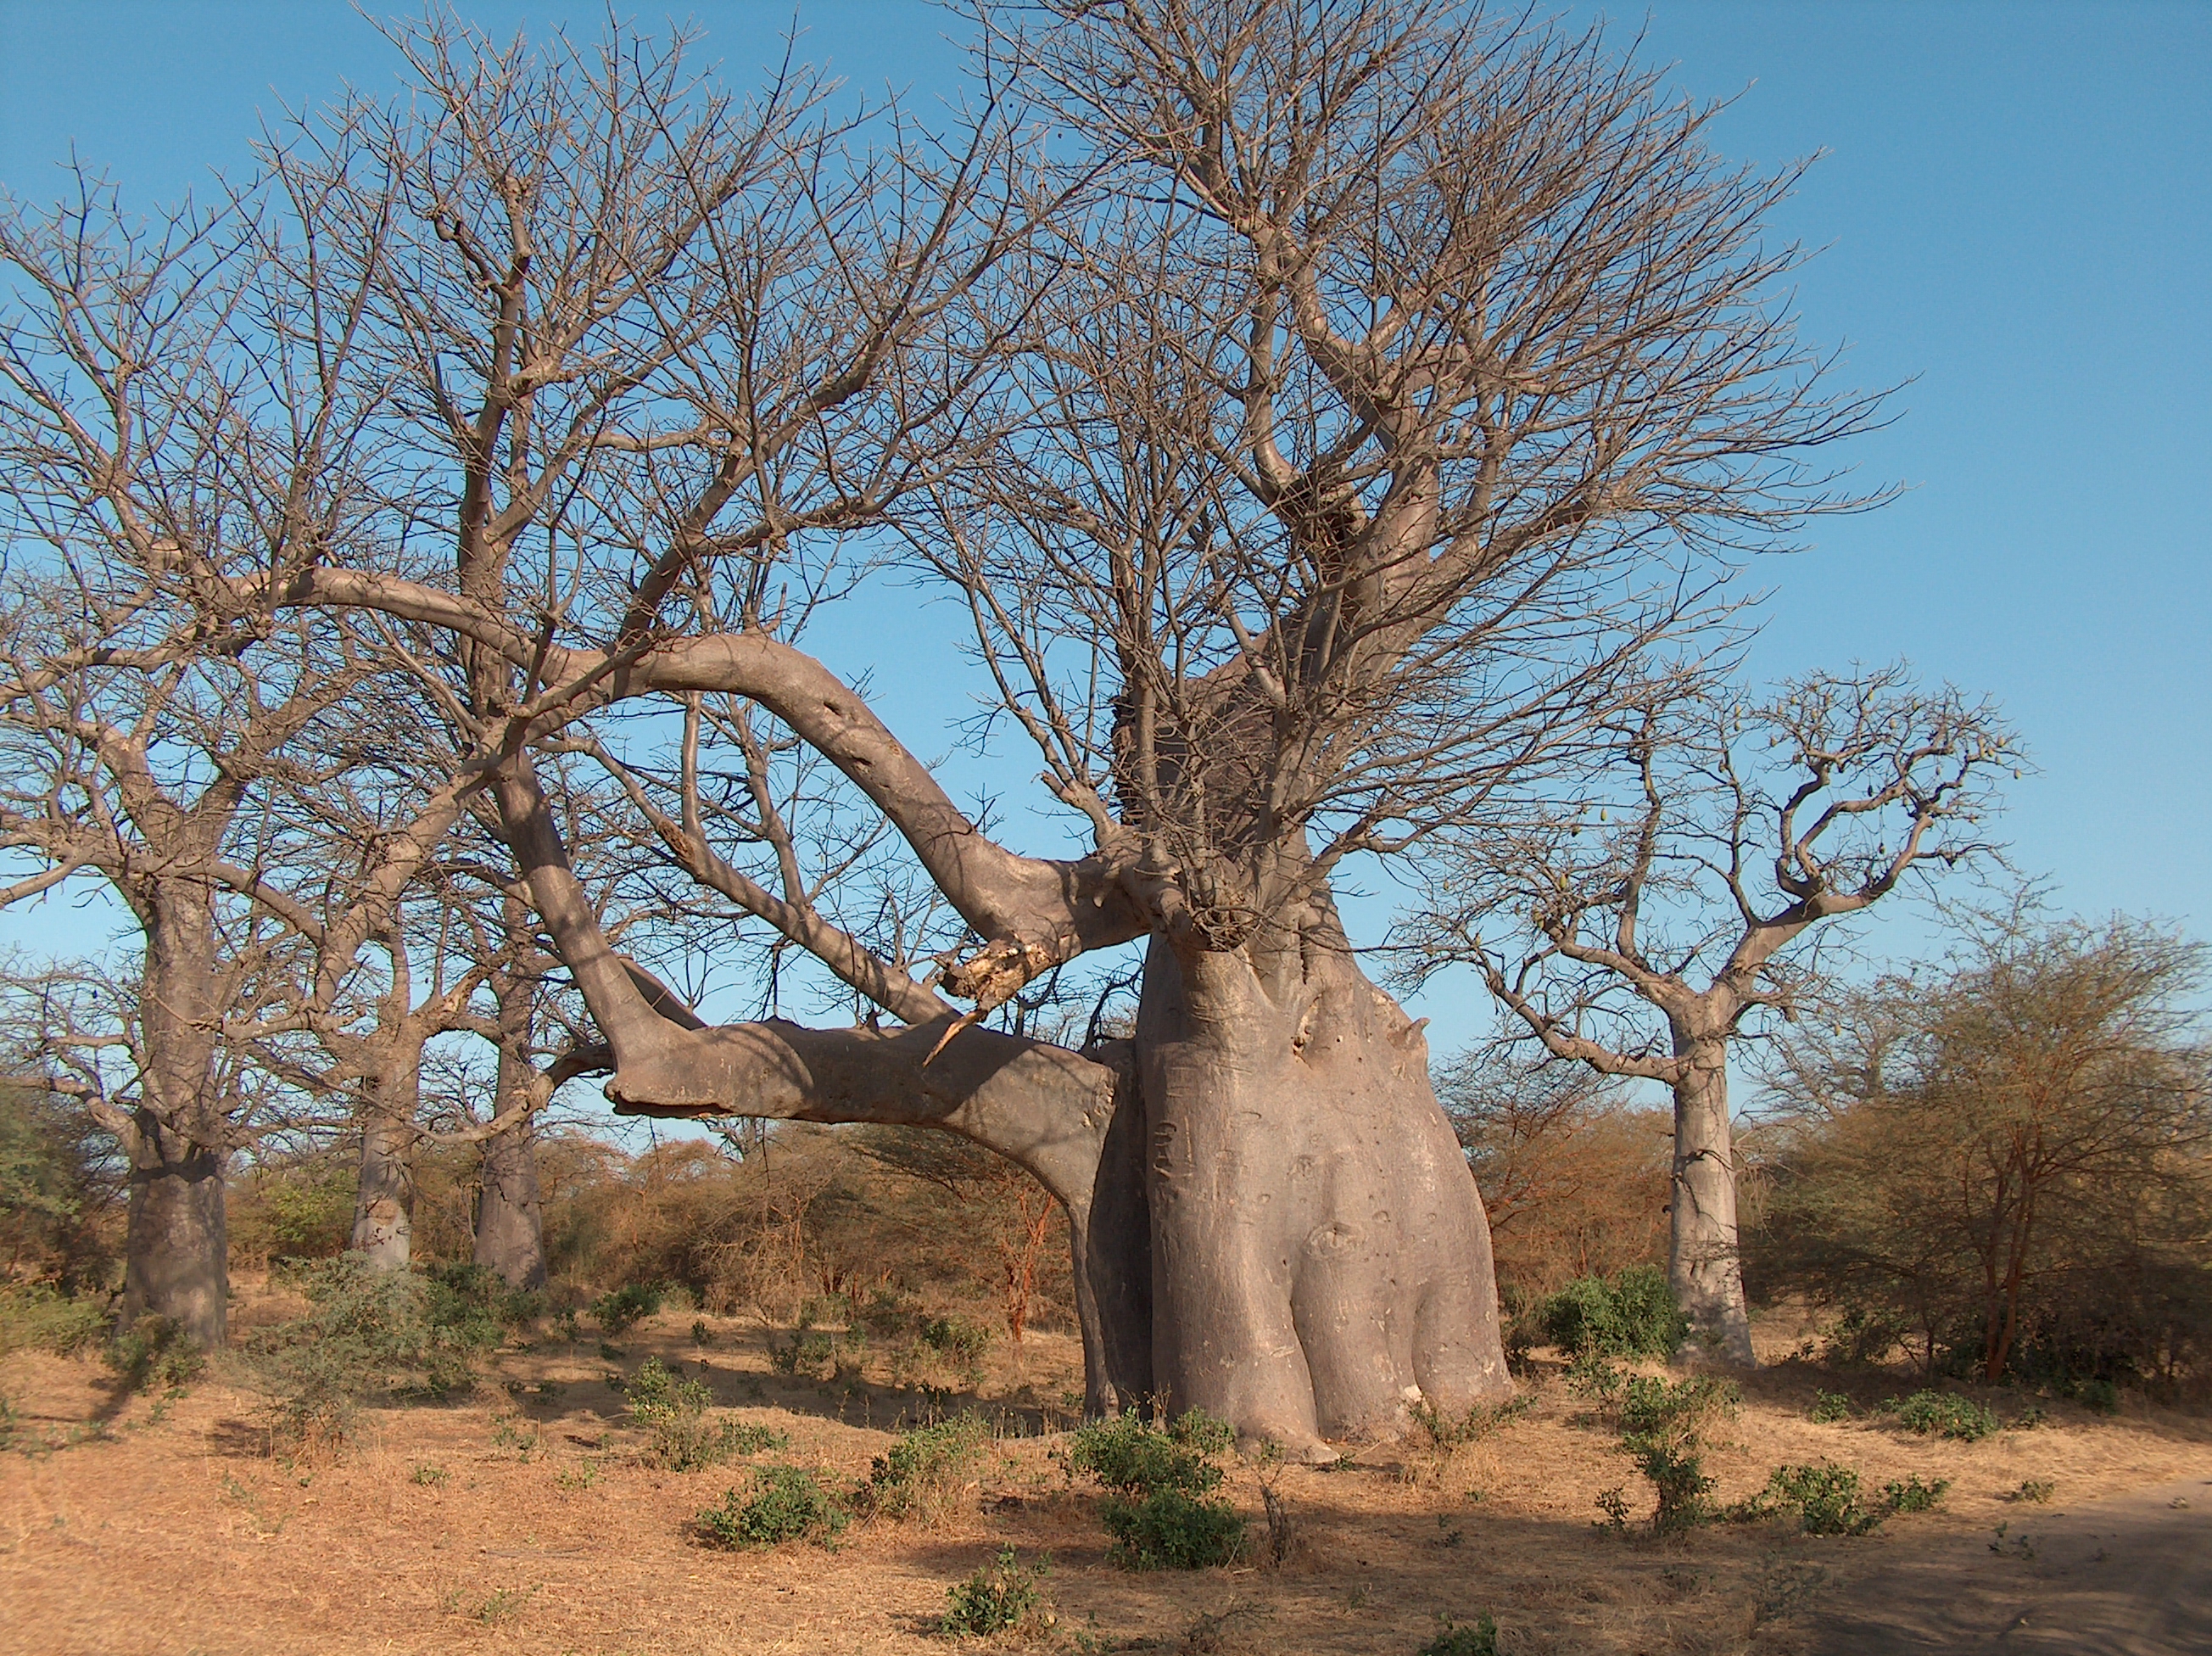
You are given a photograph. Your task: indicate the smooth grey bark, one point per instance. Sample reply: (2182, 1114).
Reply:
(384, 1204)
(510, 1224)
(1705, 1260)
(176, 1247)
(1319, 1255)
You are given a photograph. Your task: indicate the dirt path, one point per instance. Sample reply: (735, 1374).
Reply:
(2131, 1576)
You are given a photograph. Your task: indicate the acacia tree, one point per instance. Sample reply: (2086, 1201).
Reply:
(1678, 901)
(1318, 432)
(2012, 1147)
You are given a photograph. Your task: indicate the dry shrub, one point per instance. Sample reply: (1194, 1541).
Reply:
(817, 1226)
(1574, 1177)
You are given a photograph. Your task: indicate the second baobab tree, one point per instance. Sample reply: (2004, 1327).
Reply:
(1680, 900)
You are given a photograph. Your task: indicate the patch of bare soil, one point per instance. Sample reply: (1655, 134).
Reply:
(524, 1519)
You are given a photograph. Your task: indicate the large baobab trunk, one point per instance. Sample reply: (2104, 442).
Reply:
(177, 1246)
(384, 1205)
(510, 1225)
(510, 1228)
(1320, 1256)
(1705, 1262)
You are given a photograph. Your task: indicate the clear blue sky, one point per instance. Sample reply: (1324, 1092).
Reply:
(2015, 213)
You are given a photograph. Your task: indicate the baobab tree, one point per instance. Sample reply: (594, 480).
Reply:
(1319, 428)
(1677, 904)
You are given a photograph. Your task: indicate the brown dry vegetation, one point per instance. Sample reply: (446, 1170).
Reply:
(547, 1531)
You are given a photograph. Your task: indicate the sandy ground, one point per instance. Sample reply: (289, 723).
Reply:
(523, 1519)
(2127, 1576)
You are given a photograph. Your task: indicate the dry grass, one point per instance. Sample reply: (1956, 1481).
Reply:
(525, 1519)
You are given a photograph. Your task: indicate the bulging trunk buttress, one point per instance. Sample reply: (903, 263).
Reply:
(1320, 1256)
(177, 1247)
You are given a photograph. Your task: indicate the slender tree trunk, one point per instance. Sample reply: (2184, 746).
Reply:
(1320, 1257)
(177, 1243)
(1705, 1264)
(177, 1246)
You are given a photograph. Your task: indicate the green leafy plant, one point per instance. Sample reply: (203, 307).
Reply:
(432, 1477)
(1663, 1428)
(811, 1351)
(40, 1318)
(1911, 1495)
(1828, 1500)
(1475, 1638)
(154, 1349)
(1161, 1509)
(920, 1475)
(1829, 1407)
(1631, 1313)
(1944, 1414)
(371, 1331)
(2037, 1490)
(628, 1306)
(1001, 1597)
(680, 1436)
(1448, 1431)
(786, 1504)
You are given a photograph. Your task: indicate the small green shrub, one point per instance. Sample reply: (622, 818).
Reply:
(1944, 1414)
(786, 1504)
(1829, 1407)
(1828, 1502)
(700, 1333)
(1001, 1597)
(2037, 1490)
(962, 1341)
(154, 1349)
(1448, 1431)
(38, 1318)
(1161, 1510)
(1826, 1498)
(371, 1331)
(1475, 1638)
(672, 1411)
(628, 1306)
(1629, 1314)
(920, 1475)
(1662, 1427)
(811, 1351)
(1911, 1495)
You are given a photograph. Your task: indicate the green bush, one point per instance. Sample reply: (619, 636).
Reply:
(155, 1348)
(786, 1504)
(1944, 1414)
(1629, 1314)
(37, 1318)
(371, 1331)
(962, 1341)
(1475, 1638)
(627, 1307)
(919, 1476)
(672, 1411)
(811, 1351)
(1662, 1427)
(1161, 1510)
(1911, 1495)
(1448, 1431)
(1828, 1499)
(999, 1598)
(1829, 1407)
